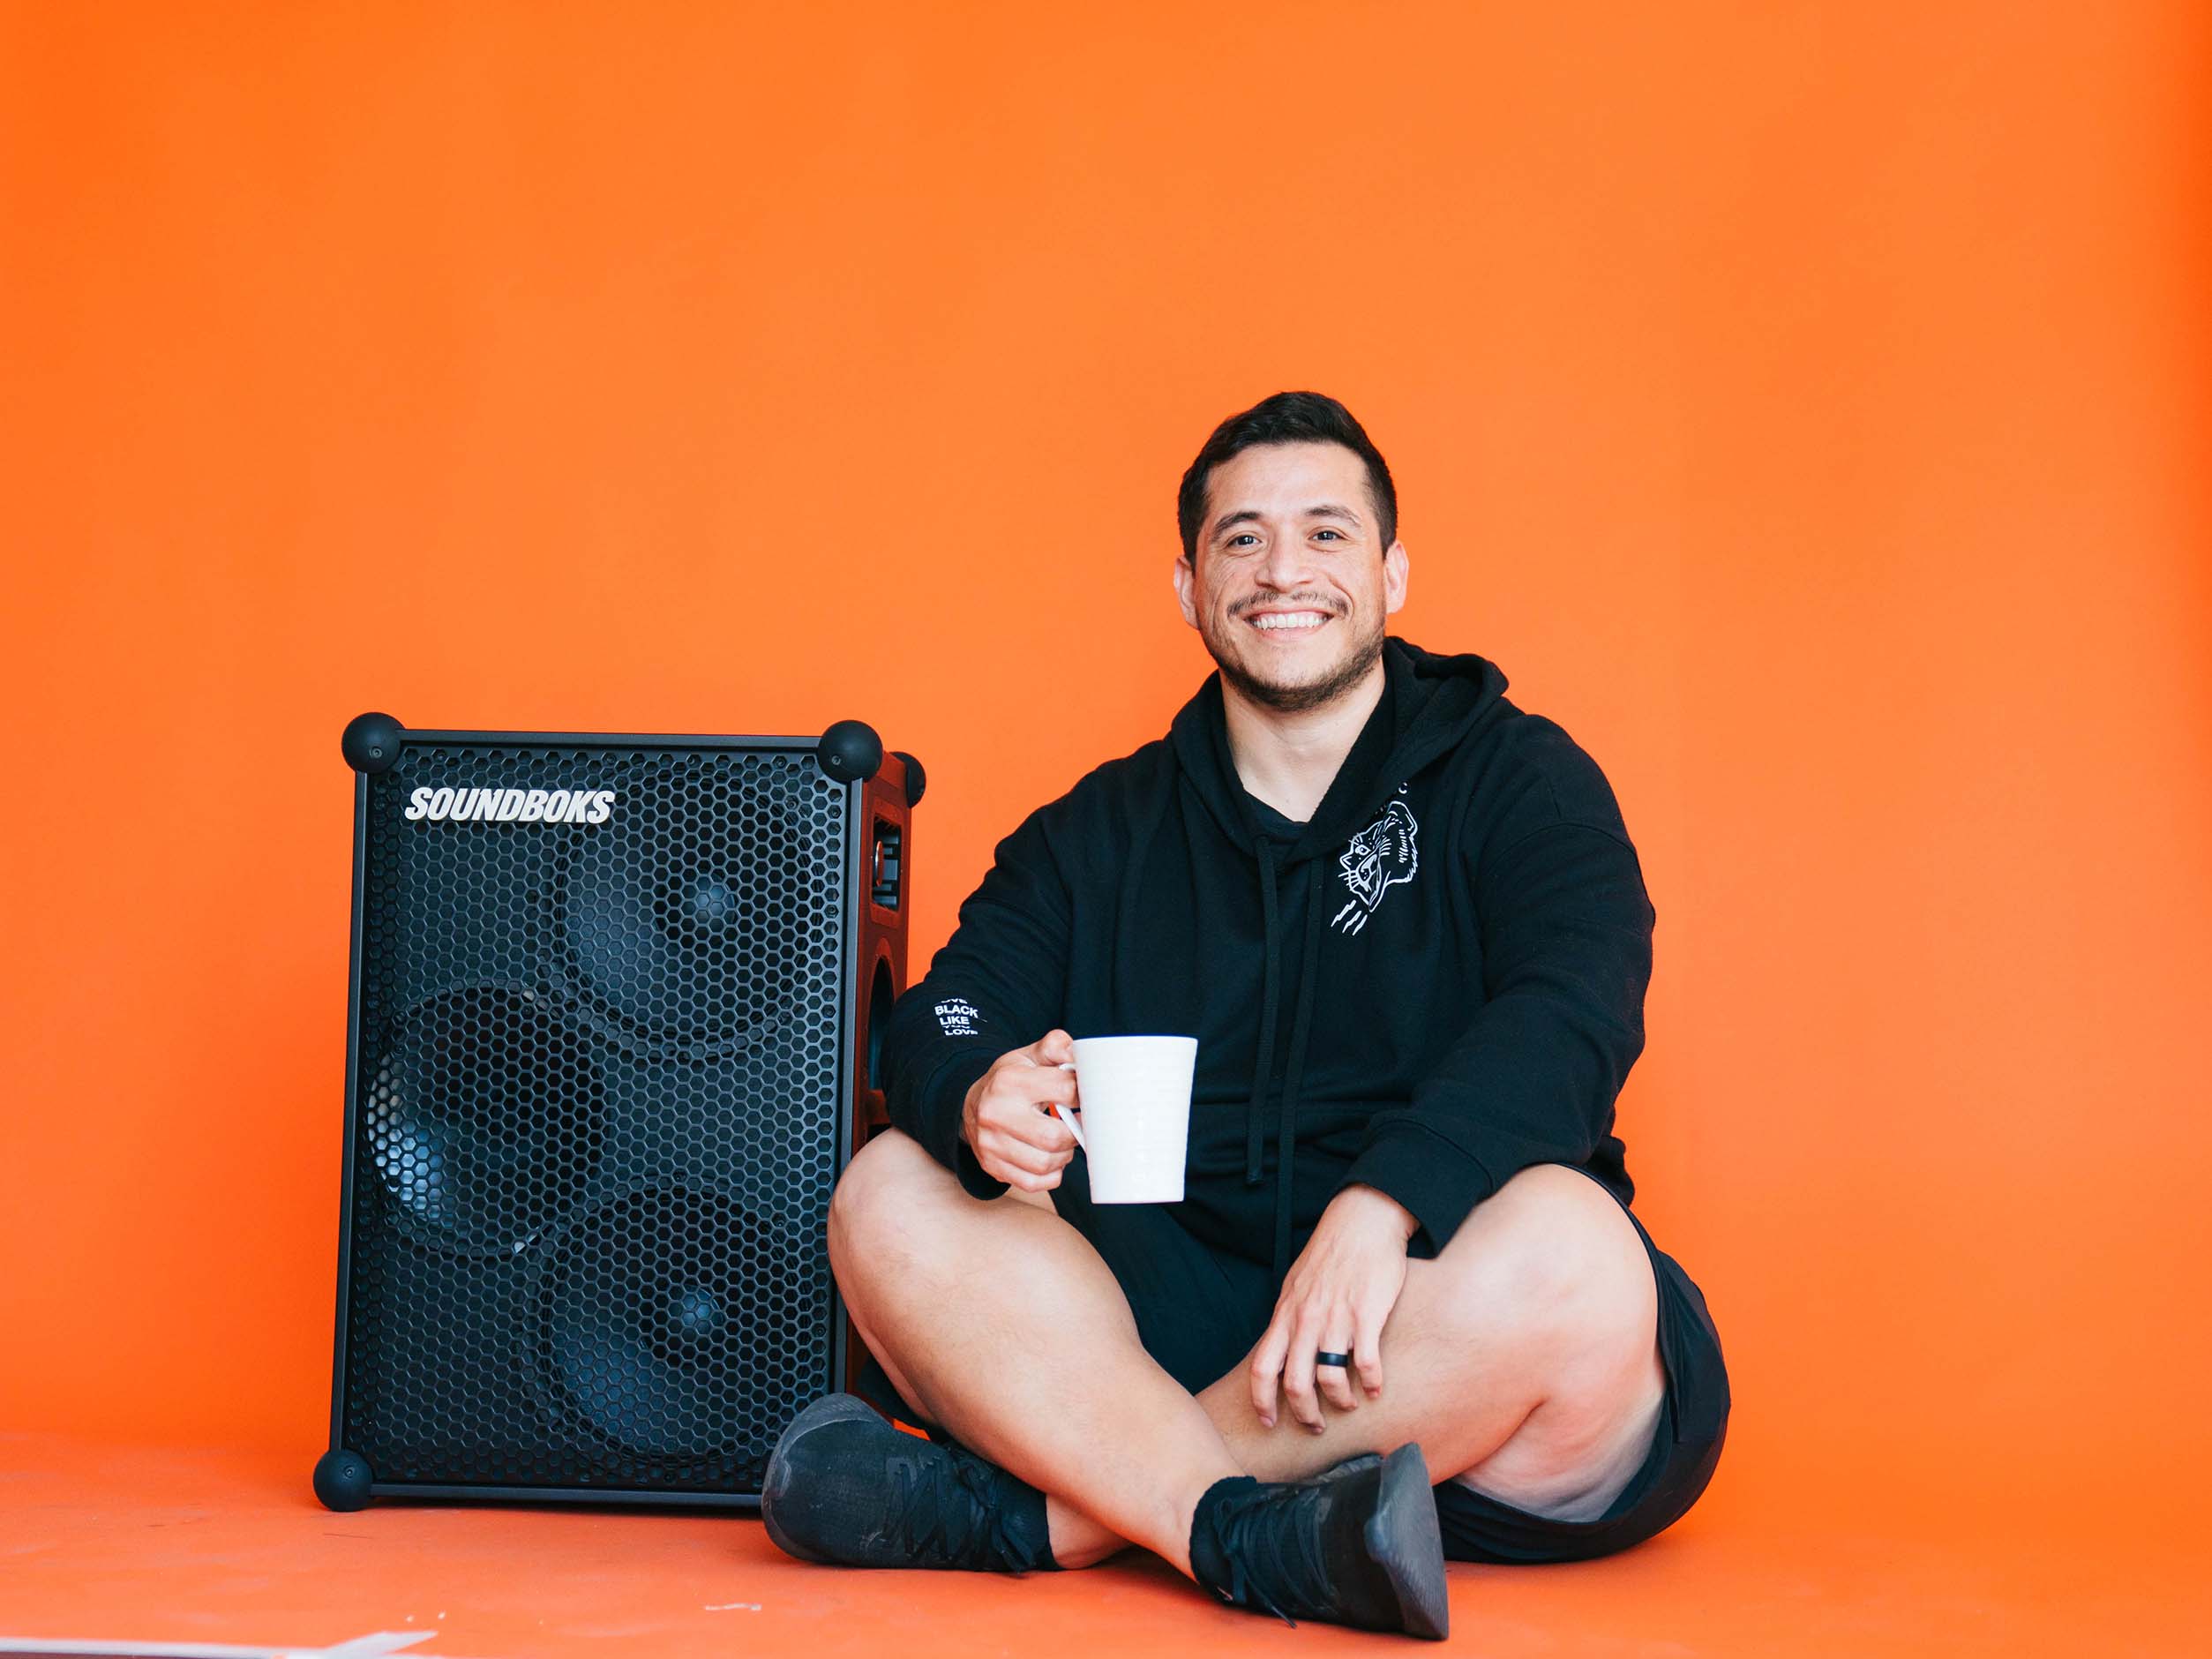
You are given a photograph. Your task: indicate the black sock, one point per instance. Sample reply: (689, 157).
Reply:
(1028, 1526)
(1208, 1562)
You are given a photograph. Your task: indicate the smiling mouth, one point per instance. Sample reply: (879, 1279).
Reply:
(1281, 622)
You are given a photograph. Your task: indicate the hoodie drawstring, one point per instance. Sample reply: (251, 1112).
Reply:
(1269, 993)
(1271, 997)
(1287, 1134)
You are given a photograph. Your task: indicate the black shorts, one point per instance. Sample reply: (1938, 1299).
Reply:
(1199, 1313)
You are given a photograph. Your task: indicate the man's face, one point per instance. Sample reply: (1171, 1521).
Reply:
(1292, 587)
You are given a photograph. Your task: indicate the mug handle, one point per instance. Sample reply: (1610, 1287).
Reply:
(1061, 1114)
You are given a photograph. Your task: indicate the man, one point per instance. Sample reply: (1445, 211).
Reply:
(1406, 922)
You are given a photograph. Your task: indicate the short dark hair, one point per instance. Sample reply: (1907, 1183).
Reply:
(1287, 417)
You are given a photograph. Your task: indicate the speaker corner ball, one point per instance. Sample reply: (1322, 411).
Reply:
(341, 1479)
(372, 742)
(917, 780)
(851, 752)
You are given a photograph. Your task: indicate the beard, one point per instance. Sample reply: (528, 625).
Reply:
(1359, 658)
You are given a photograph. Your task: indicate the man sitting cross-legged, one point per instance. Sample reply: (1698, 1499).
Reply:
(1404, 1311)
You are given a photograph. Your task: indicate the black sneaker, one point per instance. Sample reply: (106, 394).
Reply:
(1355, 1464)
(1357, 1546)
(845, 1488)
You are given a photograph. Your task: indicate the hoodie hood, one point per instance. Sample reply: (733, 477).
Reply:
(1430, 705)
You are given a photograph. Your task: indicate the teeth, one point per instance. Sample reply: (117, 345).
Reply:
(1273, 623)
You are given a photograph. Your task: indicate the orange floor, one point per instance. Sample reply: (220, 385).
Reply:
(137, 1547)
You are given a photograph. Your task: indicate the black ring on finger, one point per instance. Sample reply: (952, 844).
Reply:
(1326, 1358)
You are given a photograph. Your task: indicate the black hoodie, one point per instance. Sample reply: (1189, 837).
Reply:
(1436, 982)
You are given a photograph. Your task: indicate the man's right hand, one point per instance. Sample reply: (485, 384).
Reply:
(1008, 1120)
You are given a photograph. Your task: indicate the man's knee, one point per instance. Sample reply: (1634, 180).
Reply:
(893, 1199)
(887, 1181)
(1551, 1256)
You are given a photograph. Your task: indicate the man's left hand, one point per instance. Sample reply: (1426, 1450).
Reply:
(1337, 1297)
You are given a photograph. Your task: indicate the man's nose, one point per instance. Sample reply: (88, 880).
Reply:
(1288, 564)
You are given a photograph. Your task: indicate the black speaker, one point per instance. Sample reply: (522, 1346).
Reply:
(608, 1049)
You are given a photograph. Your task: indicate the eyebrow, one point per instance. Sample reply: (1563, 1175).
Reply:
(1250, 515)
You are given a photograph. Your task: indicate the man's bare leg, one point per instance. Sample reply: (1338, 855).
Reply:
(1499, 1352)
(1525, 1359)
(1007, 1328)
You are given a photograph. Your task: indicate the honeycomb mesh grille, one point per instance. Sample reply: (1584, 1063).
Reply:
(598, 1076)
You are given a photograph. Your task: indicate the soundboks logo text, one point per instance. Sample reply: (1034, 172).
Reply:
(510, 805)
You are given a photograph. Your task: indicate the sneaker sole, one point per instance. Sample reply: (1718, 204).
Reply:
(1403, 1539)
(776, 1479)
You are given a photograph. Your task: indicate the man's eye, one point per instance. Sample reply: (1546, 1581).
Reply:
(1328, 533)
(1245, 536)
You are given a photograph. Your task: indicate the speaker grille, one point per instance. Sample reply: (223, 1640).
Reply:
(599, 1078)
(485, 1116)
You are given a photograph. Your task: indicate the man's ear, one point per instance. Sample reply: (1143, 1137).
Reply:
(1187, 589)
(1395, 574)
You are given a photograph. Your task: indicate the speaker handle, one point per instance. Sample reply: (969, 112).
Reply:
(871, 1106)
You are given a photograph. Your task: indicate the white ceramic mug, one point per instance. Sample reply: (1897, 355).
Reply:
(1135, 1118)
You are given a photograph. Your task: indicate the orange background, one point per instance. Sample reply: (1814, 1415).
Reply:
(1807, 407)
